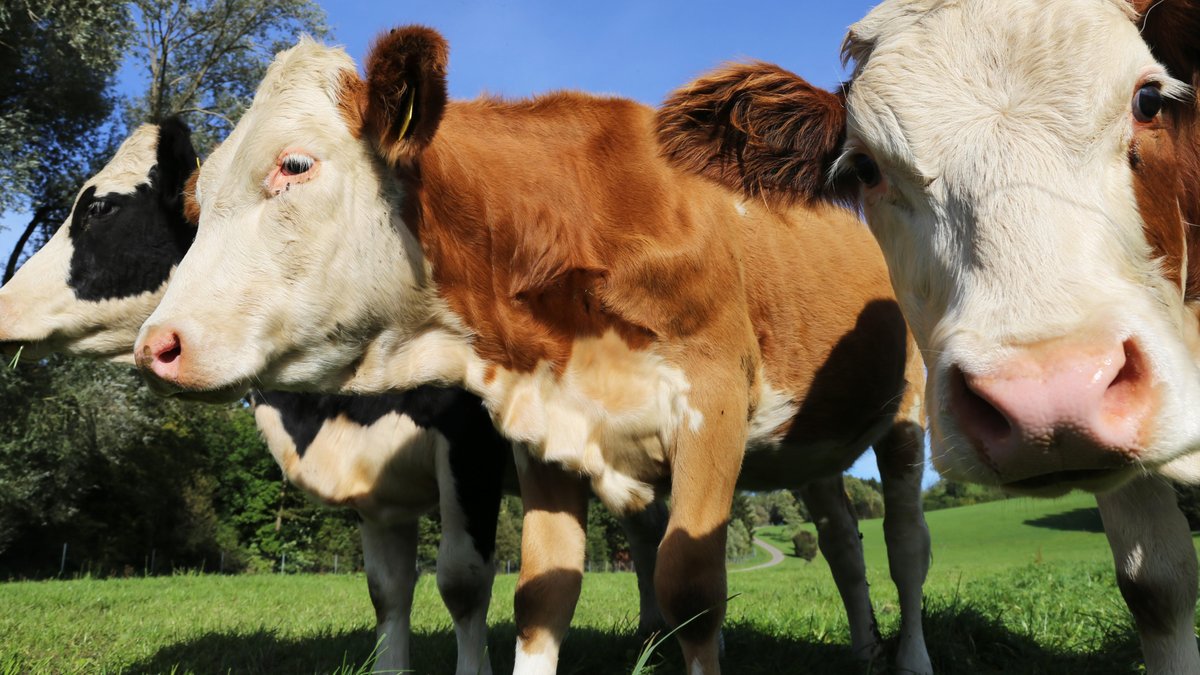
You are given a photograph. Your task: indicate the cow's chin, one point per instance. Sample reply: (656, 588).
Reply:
(219, 394)
(1060, 483)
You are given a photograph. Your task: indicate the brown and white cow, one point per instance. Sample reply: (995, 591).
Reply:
(628, 324)
(390, 457)
(1032, 172)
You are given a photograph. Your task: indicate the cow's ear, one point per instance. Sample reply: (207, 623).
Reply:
(1172, 29)
(405, 92)
(758, 128)
(176, 162)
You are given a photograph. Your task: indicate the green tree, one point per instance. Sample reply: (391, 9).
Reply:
(203, 59)
(737, 540)
(805, 545)
(59, 58)
(866, 497)
(508, 532)
(946, 494)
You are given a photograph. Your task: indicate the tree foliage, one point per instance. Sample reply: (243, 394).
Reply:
(804, 544)
(59, 58)
(203, 59)
(947, 493)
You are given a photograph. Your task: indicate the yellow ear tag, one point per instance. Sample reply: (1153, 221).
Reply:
(197, 162)
(408, 114)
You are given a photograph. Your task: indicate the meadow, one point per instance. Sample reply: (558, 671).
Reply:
(1019, 586)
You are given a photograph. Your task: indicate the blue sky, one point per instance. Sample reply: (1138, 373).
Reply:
(640, 49)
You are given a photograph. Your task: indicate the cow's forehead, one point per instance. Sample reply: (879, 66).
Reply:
(130, 166)
(1006, 76)
(296, 104)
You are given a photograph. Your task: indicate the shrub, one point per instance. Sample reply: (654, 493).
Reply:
(805, 544)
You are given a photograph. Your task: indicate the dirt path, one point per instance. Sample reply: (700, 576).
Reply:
(776, 557)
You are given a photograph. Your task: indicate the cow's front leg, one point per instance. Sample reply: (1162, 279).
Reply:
(901, 459)
(469, 499)
(841, 544)
(552, 558)
(645, 530)
(1156, 570)
(690, 573)
(390, 557)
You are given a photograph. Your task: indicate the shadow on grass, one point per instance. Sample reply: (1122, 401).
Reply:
(1077, 520)
(960, 639)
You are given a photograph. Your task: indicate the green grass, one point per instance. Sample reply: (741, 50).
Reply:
(1021, 586)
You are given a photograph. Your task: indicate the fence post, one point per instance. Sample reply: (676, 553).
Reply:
(335, 563)
(222, 563)
(62, 566)
(283, 563)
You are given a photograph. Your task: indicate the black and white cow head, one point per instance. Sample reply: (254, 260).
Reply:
(88, 290)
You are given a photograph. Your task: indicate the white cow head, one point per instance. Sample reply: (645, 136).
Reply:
(88, 290)
(303, 261)
(1030, 169)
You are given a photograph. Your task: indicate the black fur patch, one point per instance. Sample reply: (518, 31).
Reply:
(477, 451)
(126, 244)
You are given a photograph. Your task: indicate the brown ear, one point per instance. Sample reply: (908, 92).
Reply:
(1172, 29)
(405, 92)
(758, 128)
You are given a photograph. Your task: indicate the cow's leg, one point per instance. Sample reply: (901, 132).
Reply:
(1156, 570)
(901, 459)
(689, 577)
(390, 556)
(645, 530)
(552, 558)
(841, 544)
(469, 499)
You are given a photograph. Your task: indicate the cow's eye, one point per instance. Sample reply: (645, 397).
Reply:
(100, 208)
(1147, 102)
(866, 170)
(295, 165)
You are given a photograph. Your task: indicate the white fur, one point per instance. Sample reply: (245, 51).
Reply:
(1008, 216)
(37, 305)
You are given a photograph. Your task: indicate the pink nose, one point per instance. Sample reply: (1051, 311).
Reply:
(1056, 409)
(161, 353)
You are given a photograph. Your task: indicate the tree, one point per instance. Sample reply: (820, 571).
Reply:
(508, 531)
(737, 541)
(59, 58)
(203, 59)
(805, 545)
(866, 497)
(950, 493)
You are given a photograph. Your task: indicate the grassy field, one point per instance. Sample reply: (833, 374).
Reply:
(1020, 586)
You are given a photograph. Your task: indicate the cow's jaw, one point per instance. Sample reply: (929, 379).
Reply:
(284, 285)
(1015, 239)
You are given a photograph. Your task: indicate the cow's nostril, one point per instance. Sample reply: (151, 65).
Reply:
(170, 354)
(978, 416)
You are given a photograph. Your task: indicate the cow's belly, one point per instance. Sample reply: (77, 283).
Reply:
(610, 415)
(387, 470)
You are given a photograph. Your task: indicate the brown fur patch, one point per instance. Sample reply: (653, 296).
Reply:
(1170, 29)
(405, 67)
(758, 128)
(191, 207)
(1156, 184)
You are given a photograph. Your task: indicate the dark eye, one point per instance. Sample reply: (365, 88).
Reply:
(865, 170)
(294, 165)
(100, 208)
(1147, 103)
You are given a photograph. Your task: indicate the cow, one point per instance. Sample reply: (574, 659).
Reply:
(1031, 171)
(392, 457)
(383, 455)
(628, 325)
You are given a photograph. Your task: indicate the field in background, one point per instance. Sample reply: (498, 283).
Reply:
(1019, 586)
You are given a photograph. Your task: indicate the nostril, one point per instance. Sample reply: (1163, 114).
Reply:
(977, 416)
(1130, 382)
(170, 352)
